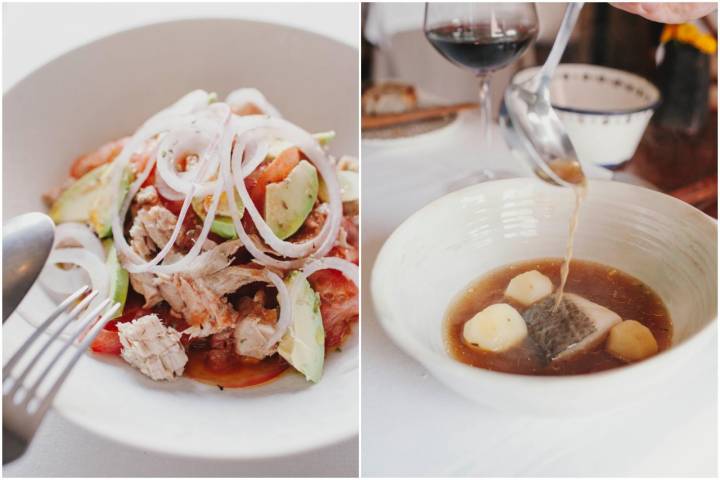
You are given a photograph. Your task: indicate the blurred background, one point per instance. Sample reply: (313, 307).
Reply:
(678, 151)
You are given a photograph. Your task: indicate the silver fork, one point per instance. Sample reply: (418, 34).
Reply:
(23, 406)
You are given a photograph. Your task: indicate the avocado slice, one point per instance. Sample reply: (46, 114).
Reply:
(119, 278)
(289, 202)
(349, 186)
(303, 345)
(89, 200)
(277, 147)
(222, 223)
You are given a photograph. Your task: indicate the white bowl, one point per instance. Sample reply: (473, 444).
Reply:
(600, 106)
(104, 90)
(440, 249)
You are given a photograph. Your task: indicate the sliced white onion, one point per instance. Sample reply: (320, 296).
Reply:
(120, 206)
(88, 261)
(134, 263)
(198, 138)
(78, 234)
(243, 96)
(220, 139)
(66, 281)
(62, 282)
(165, 191)
(257, 156)
(189, 103)
(348, 269)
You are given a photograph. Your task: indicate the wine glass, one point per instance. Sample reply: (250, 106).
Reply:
(481, 37)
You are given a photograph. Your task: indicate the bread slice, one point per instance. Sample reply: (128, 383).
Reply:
(388, 98)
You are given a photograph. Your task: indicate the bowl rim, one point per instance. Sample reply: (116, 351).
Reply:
(432, 359)
(153, 24)
(336, 436)
(654, 91)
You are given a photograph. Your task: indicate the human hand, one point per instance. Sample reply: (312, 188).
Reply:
(668, 12)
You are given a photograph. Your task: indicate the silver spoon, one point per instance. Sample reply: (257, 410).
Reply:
(537, 127)
(26, 244)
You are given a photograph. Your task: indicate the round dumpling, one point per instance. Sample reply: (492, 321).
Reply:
(631, 341)
(497, 328)
(529, 287)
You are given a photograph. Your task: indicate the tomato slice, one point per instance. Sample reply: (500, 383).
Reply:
(237, 374)
(350, 254)
(107, 342)
(338, 304)
(105, 154)
(275, 171)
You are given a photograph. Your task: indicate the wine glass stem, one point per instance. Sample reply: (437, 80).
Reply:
(485, 108)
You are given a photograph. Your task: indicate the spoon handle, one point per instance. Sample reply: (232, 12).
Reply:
(568, 23)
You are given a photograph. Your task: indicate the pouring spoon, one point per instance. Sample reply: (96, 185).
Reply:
(534, 124)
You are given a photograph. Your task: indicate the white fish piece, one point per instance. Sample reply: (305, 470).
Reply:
(602, 318)
(576, 326)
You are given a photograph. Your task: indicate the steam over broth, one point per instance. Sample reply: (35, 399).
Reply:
(604, 285)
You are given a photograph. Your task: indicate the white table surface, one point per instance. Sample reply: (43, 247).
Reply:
(35, 34)
(413, 425)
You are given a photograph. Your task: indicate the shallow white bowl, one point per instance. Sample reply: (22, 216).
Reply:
(440, 249)
(105, 90)
(600, 106)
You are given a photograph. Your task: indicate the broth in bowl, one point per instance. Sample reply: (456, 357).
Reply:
(606, 319)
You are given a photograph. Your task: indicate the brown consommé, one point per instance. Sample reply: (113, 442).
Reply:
(604, 285)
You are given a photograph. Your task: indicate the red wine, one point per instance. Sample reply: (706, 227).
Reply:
(473, 45)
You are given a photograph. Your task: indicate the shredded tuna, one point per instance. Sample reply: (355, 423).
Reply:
(147, 196)
(144, 284)
(198, 293)
(202, 309)
(151, 230)
(252, 332)
(152, 348)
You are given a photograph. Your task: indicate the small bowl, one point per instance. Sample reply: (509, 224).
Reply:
(600, 106)
(439, 250)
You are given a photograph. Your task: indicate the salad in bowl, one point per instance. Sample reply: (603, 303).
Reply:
(228, 234)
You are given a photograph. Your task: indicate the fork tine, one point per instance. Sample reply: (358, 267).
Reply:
(86, 320)
(60, 308)
(82, 348)
(71, 316)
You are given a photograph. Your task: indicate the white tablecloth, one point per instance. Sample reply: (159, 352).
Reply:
(413, 425)
(35, 34)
